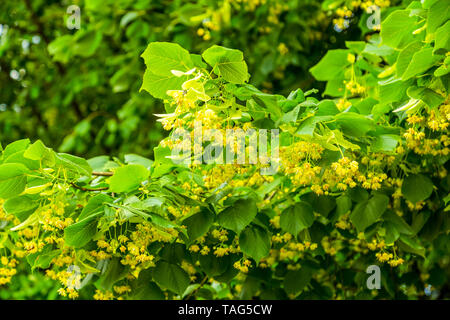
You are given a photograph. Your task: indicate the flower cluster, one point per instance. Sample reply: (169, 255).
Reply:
(7, 269)
(383, 255)
(243, 266)
(427, 133)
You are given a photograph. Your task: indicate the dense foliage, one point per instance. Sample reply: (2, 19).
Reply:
(77, 90)
(362, 177)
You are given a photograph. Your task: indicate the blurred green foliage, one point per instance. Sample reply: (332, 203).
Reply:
(27, 285)
(78, 90)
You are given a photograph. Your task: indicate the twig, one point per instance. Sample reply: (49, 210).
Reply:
(198, 288)
(102, 174)
(272, 195)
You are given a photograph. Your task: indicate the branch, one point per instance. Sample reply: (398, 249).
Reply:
(102, 174)
(198, 288)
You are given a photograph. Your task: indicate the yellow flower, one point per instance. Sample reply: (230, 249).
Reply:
(351, 58)
(4, 261)
(194, 248)
(200, 32)
(205, 250)
(220, 252)
(396, 262)
(207, 36)
(283, 49)
(62, 292)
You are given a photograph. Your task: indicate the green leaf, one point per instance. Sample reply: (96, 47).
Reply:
(173, 252)
(296, 96)
(290, 116)
(143, 288)
(399, 223)
(431, 98)
(405, 56)
(162, 164)
(85, 43)
(239, 215)
(323, 204)
(338, 137)
(307, 126)
(391, 90)
(12, 179)
(335, 87)
(255, 242)
(417, 187)
(438, 14)
(409, 244)
(343, 205)
(136, 159)
(114, 272)
(229, 63)
(157, 85)
(80, 233)
(296, 280)
(198, 224)
(161, 58)
(442, 42)
(391, 233)
(358, 194)
(426, 4)
(140, 208)
(442, 71)
(296, 218)
(82, 261)
(327, 108)
(30, 220)
(421, 61)
(16, 146)
(419, 220)
(397, 28)
(98, 163)
(369, 211)
(214, 266)
(60, 48)
(365, 106)
(357, 46)
(270, 102)
(171, 276)
(332, 65)
(198, 61)
(128, 178)
(95, 205)
(42, 260)
(18, 157)
(354, 124)
(385, 142)
(21, 206)
(38, 151)
(75, 166)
